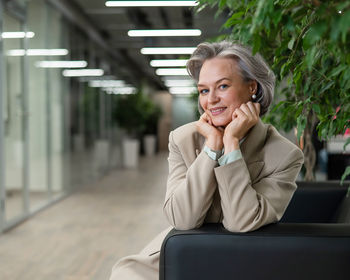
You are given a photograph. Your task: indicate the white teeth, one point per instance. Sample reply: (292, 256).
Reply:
(216, 110)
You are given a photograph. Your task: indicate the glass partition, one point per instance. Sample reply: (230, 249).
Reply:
(40, 117)
(55, 93)
(13, 142)
(55, 131)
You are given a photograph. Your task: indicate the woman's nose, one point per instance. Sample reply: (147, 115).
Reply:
(213, 97)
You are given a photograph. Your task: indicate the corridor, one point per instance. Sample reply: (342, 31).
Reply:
(82, 236)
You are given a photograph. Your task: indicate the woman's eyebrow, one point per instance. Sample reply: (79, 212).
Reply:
(218, 81)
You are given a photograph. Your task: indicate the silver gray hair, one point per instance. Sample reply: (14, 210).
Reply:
(252, 67)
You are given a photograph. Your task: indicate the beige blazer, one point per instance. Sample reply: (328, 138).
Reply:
(244, 195)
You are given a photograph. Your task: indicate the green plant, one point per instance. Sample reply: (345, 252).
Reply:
(306, 42)
(194, 100)
(136, 113)
(128, 112)
(152, 114)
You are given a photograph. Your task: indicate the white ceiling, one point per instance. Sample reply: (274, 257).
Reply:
(113, 24)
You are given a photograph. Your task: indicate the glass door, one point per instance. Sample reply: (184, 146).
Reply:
(13, 120)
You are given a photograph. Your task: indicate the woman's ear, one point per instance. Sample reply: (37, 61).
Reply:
(253, 87)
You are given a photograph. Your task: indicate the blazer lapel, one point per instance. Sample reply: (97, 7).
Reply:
(254, 142)
(251, 149)
(199, 143)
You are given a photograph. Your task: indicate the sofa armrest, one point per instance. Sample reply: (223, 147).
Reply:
(274, 252)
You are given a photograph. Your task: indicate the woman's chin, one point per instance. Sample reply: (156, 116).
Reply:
(220, 123)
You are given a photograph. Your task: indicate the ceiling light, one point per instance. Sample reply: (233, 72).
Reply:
(82, 72)
(150, 3)
(168, 62)
(164, 32)
(121, 90)
(106, 83)
(20, 34)
(178, 83)
(172, 72)
(37, 52)
(61, 64)
(176, 78)
(182, 90)
(100, 78)
(175, 50)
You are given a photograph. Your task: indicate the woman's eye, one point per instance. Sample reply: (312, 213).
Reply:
(203, 91)
(223, 86)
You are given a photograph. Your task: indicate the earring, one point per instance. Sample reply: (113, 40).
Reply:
(253, 96)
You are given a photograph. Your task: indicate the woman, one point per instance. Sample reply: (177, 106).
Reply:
(228, 166)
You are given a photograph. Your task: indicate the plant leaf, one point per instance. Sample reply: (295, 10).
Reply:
(301, 123)
(345, 174)
(347, 142)
(315, 33)
(316, 108)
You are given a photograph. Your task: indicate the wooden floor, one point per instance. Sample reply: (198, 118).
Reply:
(82, 236)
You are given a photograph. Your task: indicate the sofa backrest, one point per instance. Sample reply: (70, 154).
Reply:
(342, 215)
(317, 202)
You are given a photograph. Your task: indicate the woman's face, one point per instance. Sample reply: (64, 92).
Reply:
(222, 89)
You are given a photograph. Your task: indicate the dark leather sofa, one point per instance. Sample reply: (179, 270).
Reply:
(312, 241)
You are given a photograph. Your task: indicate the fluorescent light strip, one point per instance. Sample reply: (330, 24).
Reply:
(83, 72)
(150, 3)
(182, 90)
(172, 72)
(61, 64)
(37, 52)
(121, 90)
(179, 83)
(106, 83)
(175, 50)
(106, 77)
(164, 32)
(188, 78)
(20, 34)
(168, 62)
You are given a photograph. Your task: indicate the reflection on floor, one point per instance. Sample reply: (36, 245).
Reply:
(82, 236)
(14, 202)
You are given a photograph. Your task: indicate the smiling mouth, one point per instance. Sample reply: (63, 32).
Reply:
(217, 111)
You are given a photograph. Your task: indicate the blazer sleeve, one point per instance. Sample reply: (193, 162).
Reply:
(189, 189)
(247, 206)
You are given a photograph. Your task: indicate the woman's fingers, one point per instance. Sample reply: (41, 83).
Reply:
(252, 108)
(241, 113)
(205, 124)
(234, 115)
(243, 119)
(244, 109)
(204, 117)
(212, 134)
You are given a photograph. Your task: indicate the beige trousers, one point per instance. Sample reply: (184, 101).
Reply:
(142, 266)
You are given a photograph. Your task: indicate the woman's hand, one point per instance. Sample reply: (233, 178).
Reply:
(243, 119)
(212, 134)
